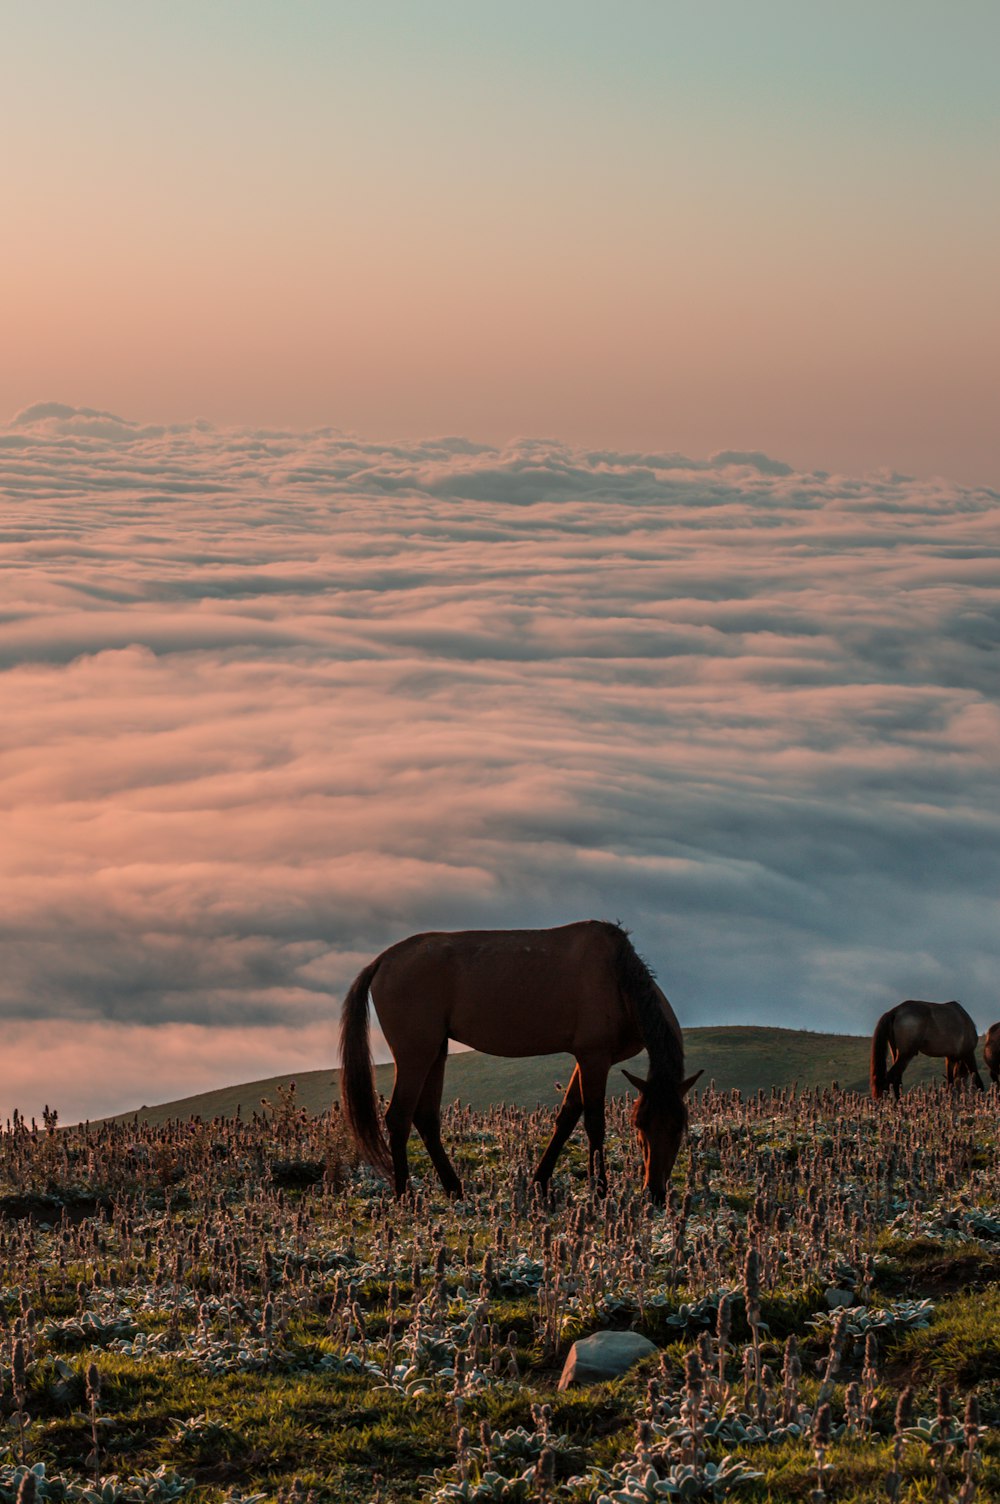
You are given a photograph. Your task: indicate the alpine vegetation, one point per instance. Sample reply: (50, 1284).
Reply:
(242, 1310)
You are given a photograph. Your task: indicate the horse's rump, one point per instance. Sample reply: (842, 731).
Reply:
(935, 1029)
(880, 1045)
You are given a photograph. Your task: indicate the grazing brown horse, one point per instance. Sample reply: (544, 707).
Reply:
(916, 1028)
(580, 988)
(991, 1052)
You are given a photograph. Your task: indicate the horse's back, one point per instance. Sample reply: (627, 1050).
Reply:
(472, 953)
(505, 992)
(933, 1028)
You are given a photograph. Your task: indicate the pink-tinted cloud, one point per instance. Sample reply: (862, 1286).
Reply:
(271, 700)
(97, 1066)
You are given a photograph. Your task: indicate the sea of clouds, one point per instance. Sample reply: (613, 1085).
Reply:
(272, 700)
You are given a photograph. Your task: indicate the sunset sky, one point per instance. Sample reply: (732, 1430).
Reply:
(682, 224)
(693, 620)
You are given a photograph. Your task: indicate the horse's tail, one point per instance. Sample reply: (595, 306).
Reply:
(357, 1081)
(636, 981)
(880, 1049)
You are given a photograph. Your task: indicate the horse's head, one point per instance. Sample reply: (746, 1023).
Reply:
(660, 1116)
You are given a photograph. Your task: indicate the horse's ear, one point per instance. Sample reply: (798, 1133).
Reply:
(687, 1085)
(636, 1081)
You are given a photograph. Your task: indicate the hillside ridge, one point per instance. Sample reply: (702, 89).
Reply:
(743, 1057)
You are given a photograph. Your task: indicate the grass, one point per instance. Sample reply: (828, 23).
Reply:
(962, 1347)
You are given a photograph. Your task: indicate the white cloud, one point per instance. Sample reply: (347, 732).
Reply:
(273, 700)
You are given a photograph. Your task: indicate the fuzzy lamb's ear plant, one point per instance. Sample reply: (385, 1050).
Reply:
(904, 1412)
(838, 1341)
(973, 1431)
(27, 1492)
(694, 1384)
(723, 1327)
(790, 1375)
(545, 1473)
(947, 1436)
(869, 1379)
(821, 1441)
(751, 1292)
(93, 1401)
(19, 1384)
(462, 1453)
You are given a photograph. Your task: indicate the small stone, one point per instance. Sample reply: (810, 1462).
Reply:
(836, 1298)
(604, 1355)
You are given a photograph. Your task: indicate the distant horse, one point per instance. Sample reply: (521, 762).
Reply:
(580, 988)
(991, 1052)
(916, 1028)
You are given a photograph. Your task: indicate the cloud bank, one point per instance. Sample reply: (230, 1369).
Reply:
(272, 700)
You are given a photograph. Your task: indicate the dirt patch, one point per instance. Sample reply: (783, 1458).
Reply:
(51, 1209)
(947, 1275)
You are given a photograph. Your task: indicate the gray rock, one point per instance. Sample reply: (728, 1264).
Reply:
(604, 1355)
(836, 1298)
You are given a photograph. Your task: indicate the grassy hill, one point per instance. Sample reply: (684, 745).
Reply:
(743, 1057)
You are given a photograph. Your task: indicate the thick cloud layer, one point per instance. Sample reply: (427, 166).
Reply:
(273, 700)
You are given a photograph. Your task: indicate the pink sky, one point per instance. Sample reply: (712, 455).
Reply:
(694, 624)
(675, 228)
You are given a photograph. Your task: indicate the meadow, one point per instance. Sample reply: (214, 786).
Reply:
(235, 1310)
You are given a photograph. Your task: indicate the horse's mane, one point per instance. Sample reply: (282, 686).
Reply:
(638, 983)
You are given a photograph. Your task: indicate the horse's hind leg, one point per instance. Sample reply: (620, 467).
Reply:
(427, 1121)
(566, 1120)
(408, 1085)
(894, 1076)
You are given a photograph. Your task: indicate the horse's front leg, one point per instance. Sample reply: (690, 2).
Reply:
(594, 1084)
(566, 1120)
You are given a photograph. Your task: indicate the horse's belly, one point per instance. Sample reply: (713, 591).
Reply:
(518, 1032)
(506, 1034)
